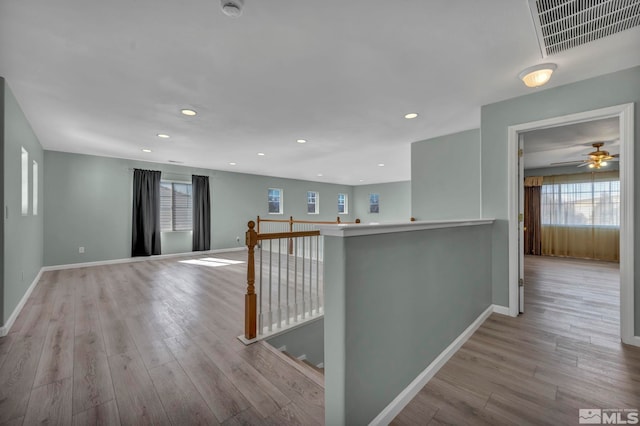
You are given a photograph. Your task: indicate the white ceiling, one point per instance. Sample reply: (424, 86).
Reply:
(573, 142)
(104, 77)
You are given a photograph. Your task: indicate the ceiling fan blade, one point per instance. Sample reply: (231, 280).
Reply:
(570, 162)
(584, 164)
(615, 155)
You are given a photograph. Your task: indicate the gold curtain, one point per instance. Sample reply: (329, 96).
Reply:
(585, 240)
(532, 222)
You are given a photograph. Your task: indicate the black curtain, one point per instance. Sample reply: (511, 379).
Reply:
(145, 226)
(201, 213)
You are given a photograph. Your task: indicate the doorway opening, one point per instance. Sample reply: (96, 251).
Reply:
(624, 116)
(569, 264)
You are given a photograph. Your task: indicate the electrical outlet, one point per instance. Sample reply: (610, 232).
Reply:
(80, 249)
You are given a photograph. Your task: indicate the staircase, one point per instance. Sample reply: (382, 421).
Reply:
(300, 363)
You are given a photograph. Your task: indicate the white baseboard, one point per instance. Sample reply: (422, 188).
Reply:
(395, 407)
(502, 310)
(138, 259)
(634, 341)
(4, 330)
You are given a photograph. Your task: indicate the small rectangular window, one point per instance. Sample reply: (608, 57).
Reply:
(343, 205)
(313, 200)
(275, 200)
(374, 203)
(25, 182)
(176, 206)
(35, 188)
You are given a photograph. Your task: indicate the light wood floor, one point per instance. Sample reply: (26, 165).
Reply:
(155, 342)
(563, 354)
(149, 342)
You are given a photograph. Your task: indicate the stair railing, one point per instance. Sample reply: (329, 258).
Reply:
(287, 288)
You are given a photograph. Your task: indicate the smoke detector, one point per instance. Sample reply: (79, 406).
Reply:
(232, 8)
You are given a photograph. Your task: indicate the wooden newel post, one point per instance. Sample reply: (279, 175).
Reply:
(250, 305)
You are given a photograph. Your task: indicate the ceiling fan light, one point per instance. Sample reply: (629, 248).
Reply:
(537, 75)
(591, 166)
(603, 163)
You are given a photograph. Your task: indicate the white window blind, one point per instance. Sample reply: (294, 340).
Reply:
(25, 182)
(343, 206)
(274, 198)
(176, 206)
(35, 188)
(581, 200)
(312, 202)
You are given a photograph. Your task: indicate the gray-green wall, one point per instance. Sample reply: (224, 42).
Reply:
(445, 175)
(22, 235)
(393, 303)
(395, 202)
(88, 204)
(612, 89)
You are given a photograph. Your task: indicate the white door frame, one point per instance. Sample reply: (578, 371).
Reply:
(625, 114)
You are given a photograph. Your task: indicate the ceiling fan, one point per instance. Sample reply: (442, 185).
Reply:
(597, 159)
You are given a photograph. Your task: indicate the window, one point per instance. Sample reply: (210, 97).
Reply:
(35, 188)
(374, 203)
(592, 203)
(313, 200)
(176, 206)
(275, 201)
(25, 182)
(343, 204)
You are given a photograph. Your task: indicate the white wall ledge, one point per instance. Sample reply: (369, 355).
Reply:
(354, 230)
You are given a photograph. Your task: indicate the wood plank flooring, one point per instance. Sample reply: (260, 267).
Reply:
(154, 342)
(150, 342)
(563, 354)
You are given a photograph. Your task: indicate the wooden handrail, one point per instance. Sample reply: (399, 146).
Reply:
(281, 235)
(250, 301)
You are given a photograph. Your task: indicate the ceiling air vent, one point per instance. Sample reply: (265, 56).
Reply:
(565, 24)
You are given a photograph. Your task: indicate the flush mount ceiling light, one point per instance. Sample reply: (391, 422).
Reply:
(319, 174)
(380, 164)
(232, 8)
(301, 141)
(163, 136)
(537, 75)
(188, 112)
(261, 154)
(232, 164)
(411, 115)
(146, 150)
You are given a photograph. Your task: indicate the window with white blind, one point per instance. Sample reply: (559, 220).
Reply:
(176, 206)
(313, 199)
(343, 204)
(586, 201)
(374, 203)
(35, 188)
(274, 198)
(25, 182)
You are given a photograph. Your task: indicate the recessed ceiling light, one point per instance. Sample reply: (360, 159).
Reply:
(319, 174)
(261, 154)
(163, 136)
(146, 150)
(232, 164)
(380, 164)
(188, 112)
(411, 115)
(537, 75)
(301, 141)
